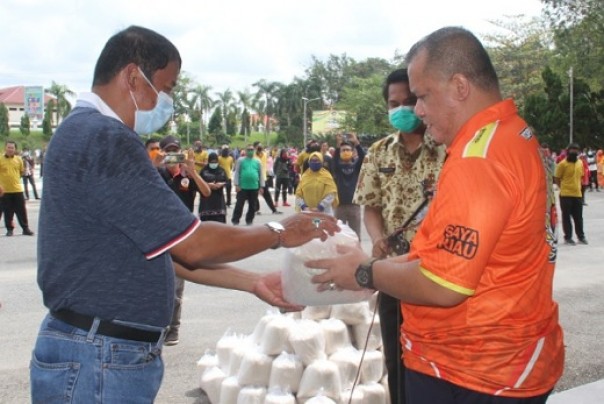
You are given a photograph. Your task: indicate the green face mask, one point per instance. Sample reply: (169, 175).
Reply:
(404, 119)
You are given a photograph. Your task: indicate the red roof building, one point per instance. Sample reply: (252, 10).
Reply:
(14, 99)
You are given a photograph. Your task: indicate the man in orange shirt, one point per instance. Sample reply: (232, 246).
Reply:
(476, 289)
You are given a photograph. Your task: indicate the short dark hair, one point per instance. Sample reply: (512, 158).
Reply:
(144, 47)
(11, 142)
(573, 146)
(346, 143)
(397, 76)
(452, 50)
(151, 140)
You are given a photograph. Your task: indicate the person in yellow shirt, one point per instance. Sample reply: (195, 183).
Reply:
(227, 162)
(13, 200)
(568, 175)
(201, 155)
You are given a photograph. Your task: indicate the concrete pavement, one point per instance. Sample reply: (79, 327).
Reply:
(208, 313)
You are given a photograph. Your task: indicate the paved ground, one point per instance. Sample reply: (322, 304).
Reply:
(208, 313)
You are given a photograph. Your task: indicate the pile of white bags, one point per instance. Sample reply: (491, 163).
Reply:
(297, 358)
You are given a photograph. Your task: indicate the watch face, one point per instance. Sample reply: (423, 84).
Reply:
(363, 276)
(276, 226)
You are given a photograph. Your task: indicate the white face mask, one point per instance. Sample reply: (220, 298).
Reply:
(213, 166)
(146, 122)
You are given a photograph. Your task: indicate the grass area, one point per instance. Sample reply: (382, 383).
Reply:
(36, 140)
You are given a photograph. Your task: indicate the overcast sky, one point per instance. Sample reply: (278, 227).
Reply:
(227, 43)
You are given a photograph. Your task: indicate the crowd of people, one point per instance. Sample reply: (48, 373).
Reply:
(464, 278)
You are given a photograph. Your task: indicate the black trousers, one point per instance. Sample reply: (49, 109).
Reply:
(14, 204)
(593, 179)
(266, 194)
(282, 186)
(251, 196)
(29, 179)
(572, 208)
(391, 320)
(424, 389)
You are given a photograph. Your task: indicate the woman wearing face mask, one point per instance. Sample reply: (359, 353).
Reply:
(282, 168)
(317, 191)
(213, 208)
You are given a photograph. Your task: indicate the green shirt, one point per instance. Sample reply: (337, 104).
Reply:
(248, 174)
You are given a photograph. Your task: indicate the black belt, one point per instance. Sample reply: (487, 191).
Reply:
(106, 328)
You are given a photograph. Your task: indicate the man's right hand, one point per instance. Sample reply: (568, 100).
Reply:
(380, 248)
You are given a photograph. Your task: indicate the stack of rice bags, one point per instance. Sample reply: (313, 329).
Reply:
(307, 357)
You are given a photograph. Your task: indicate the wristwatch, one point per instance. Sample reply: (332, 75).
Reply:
(364, 274)
(277, 228)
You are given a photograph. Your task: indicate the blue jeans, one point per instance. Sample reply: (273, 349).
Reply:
(70, 365)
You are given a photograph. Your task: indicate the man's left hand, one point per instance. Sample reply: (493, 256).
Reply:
(268, 288)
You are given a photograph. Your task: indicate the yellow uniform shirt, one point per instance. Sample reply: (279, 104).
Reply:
(228, 165)
(11, 169)
(570, 175)
(201, 159)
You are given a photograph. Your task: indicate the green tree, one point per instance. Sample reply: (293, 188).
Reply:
(245, 100)
(62, 107)
(47, 121)
(4, 128)
(578, 28)
(24, 125)
(225, 101)
(215, 124)
(266, 100)
(519, 53)
(364, 101)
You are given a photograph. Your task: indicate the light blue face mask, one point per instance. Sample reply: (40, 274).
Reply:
(146, 122)
(404, 119)
(213, 166)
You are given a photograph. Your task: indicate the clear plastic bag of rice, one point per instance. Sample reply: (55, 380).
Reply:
(336, 335)
(372, 368)
(353, 313)
(347, 360)
(208, 359)
(286, 372)
(225, 345)
(321, 377)
(252, 395)
(255, 369)
(308, 341)
(261, 324)
(373, 393)
(366, 333)
(320, 399)
(229, 390)
(357, 397)
(296, 277)
(279, 396)
(211, 383)
(275, 338)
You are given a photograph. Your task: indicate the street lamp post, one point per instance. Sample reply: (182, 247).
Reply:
(304, 123)
(570, 75)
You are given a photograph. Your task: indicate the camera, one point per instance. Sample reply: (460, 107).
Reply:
(398, 244)
(174, 158)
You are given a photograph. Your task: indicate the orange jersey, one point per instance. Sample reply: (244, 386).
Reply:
(489, 235)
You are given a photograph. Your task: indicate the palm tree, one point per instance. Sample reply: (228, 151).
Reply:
(225, 100)
(267, 91)
(62, 105)
(245, 99)
(202, 102)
